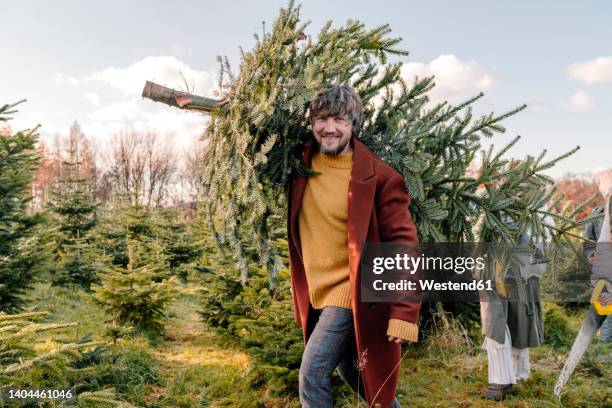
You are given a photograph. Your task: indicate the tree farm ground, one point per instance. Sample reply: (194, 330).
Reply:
(197, 370)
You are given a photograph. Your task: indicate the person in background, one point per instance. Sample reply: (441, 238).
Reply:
(512, 325)
(591, 232)
(600, 252)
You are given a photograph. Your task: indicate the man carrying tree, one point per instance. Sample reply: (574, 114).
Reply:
(353, 197)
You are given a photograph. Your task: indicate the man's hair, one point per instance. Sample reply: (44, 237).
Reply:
(339, 100)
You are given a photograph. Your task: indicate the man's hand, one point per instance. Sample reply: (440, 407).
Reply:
(397, 340)
(605, 299)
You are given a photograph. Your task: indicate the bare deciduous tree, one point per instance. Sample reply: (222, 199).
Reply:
(192, 175)
(578, 189)
(5, 130)
(142, 166)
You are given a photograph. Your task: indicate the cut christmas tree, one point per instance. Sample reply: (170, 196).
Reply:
(260, 121)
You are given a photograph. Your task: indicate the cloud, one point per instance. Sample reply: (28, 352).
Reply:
(63, 79)
(130, 111)
(455, 79)
(111, 112)
(590, 72)
(93, 98)
(182, 126)
(36, 117)
(119, 111)
(579, 102)
(165, 70)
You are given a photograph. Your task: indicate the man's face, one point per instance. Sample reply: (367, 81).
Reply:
(332, 132)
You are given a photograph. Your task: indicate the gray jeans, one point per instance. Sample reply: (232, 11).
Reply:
(606, 330)
(331, 345)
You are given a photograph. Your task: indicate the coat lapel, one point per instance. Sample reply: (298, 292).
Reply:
(299, 186)
(362, 189)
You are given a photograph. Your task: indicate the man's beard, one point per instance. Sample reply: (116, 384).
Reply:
(333, 152)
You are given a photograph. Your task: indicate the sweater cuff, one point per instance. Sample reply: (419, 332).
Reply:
(404, 330)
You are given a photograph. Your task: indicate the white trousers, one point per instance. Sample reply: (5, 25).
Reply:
(506, 363)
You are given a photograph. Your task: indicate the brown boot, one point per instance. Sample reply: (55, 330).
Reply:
(497, 392)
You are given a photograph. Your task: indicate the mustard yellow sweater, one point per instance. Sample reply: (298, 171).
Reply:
(324, 238)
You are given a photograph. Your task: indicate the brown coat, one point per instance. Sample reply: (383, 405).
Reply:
(377, 212)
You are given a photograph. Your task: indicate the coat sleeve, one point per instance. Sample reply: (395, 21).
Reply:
(292, 253)
(603, 251)
(396, 226)
(590, 232)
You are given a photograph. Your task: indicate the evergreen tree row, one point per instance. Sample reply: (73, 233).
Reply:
(18, 243)
(72, 366)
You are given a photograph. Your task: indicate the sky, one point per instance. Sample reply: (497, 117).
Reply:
(88, 61)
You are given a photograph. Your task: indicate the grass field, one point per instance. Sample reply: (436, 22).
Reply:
(188, 365)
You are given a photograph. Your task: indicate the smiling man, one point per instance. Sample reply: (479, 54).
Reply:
(353, 198)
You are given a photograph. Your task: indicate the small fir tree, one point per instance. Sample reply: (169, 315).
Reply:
(110, 237)
(179, 242)
(138, 293)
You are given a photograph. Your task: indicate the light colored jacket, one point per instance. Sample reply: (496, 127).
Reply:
(602, 263)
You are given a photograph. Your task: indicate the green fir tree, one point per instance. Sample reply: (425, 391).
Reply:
(74, 216)
(137, 294)
(179, 242)
(110, 237)
(29, 360)
(18, 245)
(248, 315)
